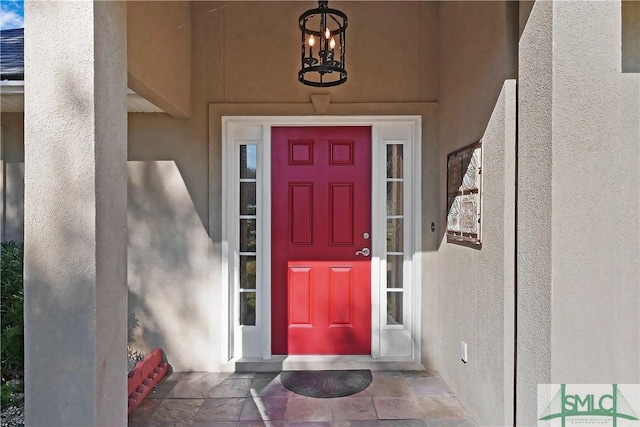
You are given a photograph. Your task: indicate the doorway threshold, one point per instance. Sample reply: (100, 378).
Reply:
(316, 363)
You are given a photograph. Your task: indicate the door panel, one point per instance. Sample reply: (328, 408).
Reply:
(341, 290)
(321, 208)
(300, 295)
(300, 213)
(341, 213)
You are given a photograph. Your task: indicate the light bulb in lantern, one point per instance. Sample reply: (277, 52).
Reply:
(312, 41)
(332, 43)
(327, 33)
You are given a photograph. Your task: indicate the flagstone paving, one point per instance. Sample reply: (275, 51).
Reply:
(394, 399)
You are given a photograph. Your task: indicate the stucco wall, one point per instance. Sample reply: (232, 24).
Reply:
(475, 286)
(170, 305)
(534, 210)
(173, 255)
(75, 213)
(159, 53)
(13, 179)
(249, 52)
(578, 193)
(595, 170)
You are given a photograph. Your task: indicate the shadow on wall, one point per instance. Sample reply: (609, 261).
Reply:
(159, 137)
(170, 302)
(74, 269)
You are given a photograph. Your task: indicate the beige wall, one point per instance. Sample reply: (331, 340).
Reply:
(249, 52)
(159, 53)
(475, 286)
(535, 209)
(595, 169)
(579, 202)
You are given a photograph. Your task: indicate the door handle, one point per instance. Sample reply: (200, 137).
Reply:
(363, 252)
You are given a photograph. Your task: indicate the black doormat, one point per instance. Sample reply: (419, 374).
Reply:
(326, 384)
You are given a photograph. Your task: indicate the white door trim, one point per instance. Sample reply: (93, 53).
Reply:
(389, 342)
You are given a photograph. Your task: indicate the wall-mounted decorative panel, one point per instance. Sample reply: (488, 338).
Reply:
(464, 196)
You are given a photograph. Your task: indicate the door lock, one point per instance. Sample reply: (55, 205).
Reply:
(363, 252)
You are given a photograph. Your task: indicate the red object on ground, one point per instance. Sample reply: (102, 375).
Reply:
(145, 376)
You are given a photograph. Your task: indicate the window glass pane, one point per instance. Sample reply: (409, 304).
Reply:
(394, 235)
(247, 308)
(247, 198)
(247, 272)
(394, 161)
(394, 271)
(394, 308)
(394, 198)
(248, 161)
(247, 235)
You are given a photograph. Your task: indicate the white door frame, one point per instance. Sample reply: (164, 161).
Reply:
(388, 342)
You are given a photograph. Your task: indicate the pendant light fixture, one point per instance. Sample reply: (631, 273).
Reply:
(324, 43)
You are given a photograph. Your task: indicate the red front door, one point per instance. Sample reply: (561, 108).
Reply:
(321, 215)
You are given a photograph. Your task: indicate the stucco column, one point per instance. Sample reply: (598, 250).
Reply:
(578, 254)
(75, 213)
(533, 231)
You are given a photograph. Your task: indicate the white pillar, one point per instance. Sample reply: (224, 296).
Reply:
(75, 213)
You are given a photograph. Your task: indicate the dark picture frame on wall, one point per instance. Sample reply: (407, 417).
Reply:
(464, 195)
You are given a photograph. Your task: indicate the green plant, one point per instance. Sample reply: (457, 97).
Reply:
(11, 306)
(133, 357)
(6, 394)
(11, 392)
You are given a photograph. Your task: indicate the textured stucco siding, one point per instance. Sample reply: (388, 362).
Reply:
(159, 53)
(578, 194)
(595, 188)
(534, 211)
(75, 213)
(475, 286)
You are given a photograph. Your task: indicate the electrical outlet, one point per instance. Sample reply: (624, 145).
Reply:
(463, 351)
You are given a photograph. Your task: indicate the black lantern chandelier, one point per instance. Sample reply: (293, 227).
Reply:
(324, 43)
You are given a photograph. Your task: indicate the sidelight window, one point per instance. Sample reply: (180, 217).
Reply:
(395, 233)
(248, 233)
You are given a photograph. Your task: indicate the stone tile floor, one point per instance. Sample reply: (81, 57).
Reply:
(408, 398)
